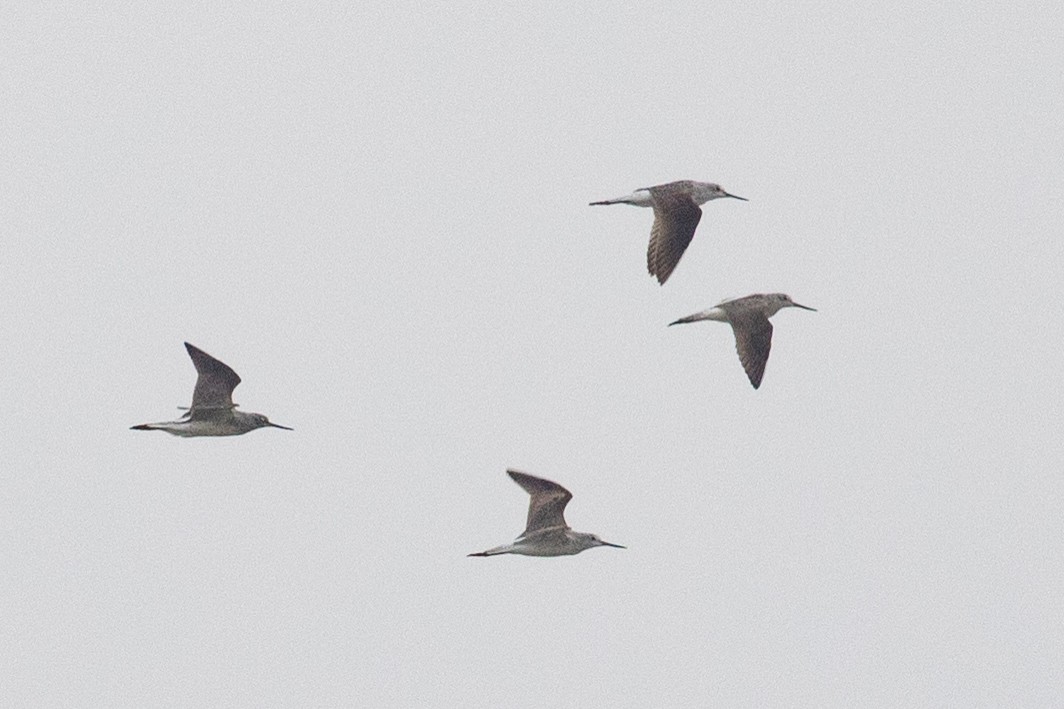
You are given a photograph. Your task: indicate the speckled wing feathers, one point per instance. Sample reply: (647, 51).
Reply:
(546, 506)
(676, 217)
(753, 340)
(215, 383)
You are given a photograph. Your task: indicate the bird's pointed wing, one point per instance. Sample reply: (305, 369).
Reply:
(215, 383)
(676, 217)
(753, 340)
(546, 507)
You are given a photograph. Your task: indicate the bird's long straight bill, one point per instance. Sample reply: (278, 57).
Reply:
(615, 546)
(803, 307)
(277, 425)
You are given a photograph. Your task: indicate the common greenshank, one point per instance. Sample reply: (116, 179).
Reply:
(748, 317)
(546, 533)
(676, 215)
(213, 412)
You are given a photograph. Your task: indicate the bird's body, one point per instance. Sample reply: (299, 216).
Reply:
(677, 212)
(748, 317)
(215, 423)
(213, 412)
(546, 533)
(546, 542)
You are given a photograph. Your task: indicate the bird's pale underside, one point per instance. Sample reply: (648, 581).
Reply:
(676, 216)
(546, 533)
(213, 412)
(748, 317)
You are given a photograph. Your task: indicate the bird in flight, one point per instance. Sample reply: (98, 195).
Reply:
(748, 317)
(213, 412)
(546, 533)
(676, 216)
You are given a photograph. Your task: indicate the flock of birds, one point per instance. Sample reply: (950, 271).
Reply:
(677, 211)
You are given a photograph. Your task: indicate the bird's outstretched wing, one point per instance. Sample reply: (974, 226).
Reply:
(676, 217)
(753, 340)
(215, 383)
(546, 506)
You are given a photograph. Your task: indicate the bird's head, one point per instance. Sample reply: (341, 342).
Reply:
(595, 541)
(261, 421)
(782, 300)
(714, 191)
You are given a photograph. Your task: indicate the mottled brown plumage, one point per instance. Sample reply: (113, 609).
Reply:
(546, 504)
(676, 216)
(546, 533)
(215, 381)
(213, 412)
(753, 342)
(748, 318)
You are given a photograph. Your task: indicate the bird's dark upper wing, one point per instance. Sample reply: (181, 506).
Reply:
(676, 217)
(546, 506)
(753, 340)
(215, 383)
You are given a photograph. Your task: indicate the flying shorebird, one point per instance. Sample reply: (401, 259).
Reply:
(749, 320)
(546, 533)
(213, 412)
(676, 215)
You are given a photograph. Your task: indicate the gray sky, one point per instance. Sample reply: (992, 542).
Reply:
(378, 217)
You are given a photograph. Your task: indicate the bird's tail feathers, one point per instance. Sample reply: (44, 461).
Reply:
(494, 551)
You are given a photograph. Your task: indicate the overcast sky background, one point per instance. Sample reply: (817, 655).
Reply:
(378, 217)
